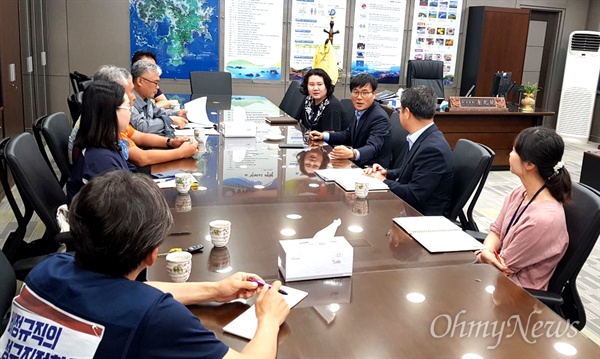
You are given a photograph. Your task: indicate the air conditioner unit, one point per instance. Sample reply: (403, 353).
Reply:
(579, 86)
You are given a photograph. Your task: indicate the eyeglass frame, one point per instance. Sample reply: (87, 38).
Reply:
(156, 83)
(362, 94)
(128, 108)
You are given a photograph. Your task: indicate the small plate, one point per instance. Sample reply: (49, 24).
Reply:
(274, 137)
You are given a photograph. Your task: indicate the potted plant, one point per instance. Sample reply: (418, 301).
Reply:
(528, 101)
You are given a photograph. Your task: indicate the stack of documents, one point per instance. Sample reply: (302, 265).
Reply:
(347, 178)
(246, 324)
(196, 113)
(331, 174)
(438, 234)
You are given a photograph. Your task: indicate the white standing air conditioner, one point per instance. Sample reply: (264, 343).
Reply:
(579, 85)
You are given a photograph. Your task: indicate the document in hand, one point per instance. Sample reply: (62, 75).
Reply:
(246, 324)
(347, 182)
(196, 113)
(438, 234)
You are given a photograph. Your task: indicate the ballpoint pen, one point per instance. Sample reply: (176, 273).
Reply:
(497, 257)
(267, 285)
(180, 233)
(161, 180)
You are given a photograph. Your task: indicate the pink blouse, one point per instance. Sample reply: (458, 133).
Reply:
(536, 243)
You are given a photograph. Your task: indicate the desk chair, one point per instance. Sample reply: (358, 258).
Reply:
(426, 73)
(583, 225)
(56, 130)
(75, 101)
(472, 163)
(77, 79)
(348, 112)
(8, 288)
(210, 83)
(293, 100)
(399, 143)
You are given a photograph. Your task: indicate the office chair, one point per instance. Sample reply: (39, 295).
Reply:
(8, 288)
(210, 83)
(56, 130)
(472, 163)
(399, 143)
(426, 73)
(77, 78)
(74, 101)
(583, 225)
(37, 133)
(40, 193)
(293, 101)
(348, 112)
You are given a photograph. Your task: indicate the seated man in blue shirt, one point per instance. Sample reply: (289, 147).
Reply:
(367, 140)
(424, 178)
(89, 305)
(146, 116)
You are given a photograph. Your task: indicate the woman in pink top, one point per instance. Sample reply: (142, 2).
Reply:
(529, 237)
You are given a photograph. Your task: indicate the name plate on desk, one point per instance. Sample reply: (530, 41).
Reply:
(478, 104)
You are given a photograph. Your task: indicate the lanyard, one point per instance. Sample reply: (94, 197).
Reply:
(516, 218)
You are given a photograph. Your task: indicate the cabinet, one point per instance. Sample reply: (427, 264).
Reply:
(496, 41)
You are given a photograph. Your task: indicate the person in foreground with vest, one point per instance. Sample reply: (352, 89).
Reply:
(89, 305)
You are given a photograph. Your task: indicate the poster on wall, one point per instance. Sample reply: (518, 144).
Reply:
(253, 39)
(377, 39)
(184, 34)
(436, 24)
(309, 29)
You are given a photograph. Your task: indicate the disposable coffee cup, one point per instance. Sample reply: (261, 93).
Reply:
(220, 231)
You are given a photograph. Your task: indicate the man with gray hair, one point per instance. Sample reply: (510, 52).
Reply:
(146, 116)
(180, 147)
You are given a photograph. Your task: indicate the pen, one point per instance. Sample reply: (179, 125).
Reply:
(497, 257)
(267, 285)
(180, 233)
(161, 180)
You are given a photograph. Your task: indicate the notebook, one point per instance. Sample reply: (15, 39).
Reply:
(331, 174)
(347, 182)
(281, 120)
(245, 324)
(438, 234)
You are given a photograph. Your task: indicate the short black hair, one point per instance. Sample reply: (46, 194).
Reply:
(361, 80)
(138, 55)
(420, 100)
(117, 219)
(317, 72)
(99, 125)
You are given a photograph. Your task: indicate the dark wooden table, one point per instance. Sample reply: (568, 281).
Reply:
(467, 309)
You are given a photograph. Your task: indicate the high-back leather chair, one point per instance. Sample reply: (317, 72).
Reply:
(426, 73)
(293, 100)
(399, 143)
(210, 83)
(56, 129)
(583, 224)
(348, 112)
(472, 163)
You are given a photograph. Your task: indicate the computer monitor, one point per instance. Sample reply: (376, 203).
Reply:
(501, 83)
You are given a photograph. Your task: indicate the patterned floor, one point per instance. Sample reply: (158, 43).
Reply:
(498, 185)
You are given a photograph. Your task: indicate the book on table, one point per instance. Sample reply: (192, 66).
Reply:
(438, 234)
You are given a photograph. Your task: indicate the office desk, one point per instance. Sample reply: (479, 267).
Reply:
(496, 130)
(375, 319)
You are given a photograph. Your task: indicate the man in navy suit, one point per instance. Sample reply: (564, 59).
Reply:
(424, 179)
(367, 140)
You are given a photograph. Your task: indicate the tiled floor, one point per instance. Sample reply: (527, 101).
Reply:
(498, 185)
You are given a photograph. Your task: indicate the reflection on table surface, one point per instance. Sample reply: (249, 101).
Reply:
(441, 312)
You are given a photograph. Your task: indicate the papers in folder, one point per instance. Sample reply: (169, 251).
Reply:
(246, 324)
(438, 234)
(348, 182)
(196, 113)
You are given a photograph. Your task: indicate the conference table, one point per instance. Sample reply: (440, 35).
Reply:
(268, 195)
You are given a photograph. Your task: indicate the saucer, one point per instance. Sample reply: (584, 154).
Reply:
(274, 137)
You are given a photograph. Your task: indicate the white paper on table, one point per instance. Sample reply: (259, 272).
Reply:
(331, 174)
(239, 114)
(245, 324)
(329, 231)
(184, 132)
(196, 112)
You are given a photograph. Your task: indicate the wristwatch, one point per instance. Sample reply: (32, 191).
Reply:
(169, 143)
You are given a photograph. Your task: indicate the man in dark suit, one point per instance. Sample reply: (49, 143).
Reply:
(424, 179)
(367, 139)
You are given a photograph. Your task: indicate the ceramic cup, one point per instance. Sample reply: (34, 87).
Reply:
(220, 231)
(183, 202)
(199, 134)
(179, 266)
(360, 207)
(219, 260)
(361, 189)
(183, 182)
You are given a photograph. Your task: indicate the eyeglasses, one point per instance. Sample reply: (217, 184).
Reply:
(361, 93)
(156, 83)
(128, 108)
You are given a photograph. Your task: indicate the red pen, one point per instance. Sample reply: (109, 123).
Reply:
(497, 257)
(267, 285)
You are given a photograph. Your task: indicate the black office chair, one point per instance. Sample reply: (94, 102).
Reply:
(472, 163)
(426, 73)
(399, 143)
(40, 193)
(293, 101)
(348, 112)
(210, 83)
(56, 130)
(471, 225)
(37, 133)
(8, 288)
(74, 101)
(583, 225)
(77, 78)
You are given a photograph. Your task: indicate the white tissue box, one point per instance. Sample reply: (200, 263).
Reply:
(302, 259)
(239, 129)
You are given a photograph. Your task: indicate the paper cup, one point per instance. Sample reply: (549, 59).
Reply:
(361, 189)
(179, 266)
(183, 182)
(220, 231)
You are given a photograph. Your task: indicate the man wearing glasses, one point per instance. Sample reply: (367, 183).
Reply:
(368, 138)
(147, 116)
